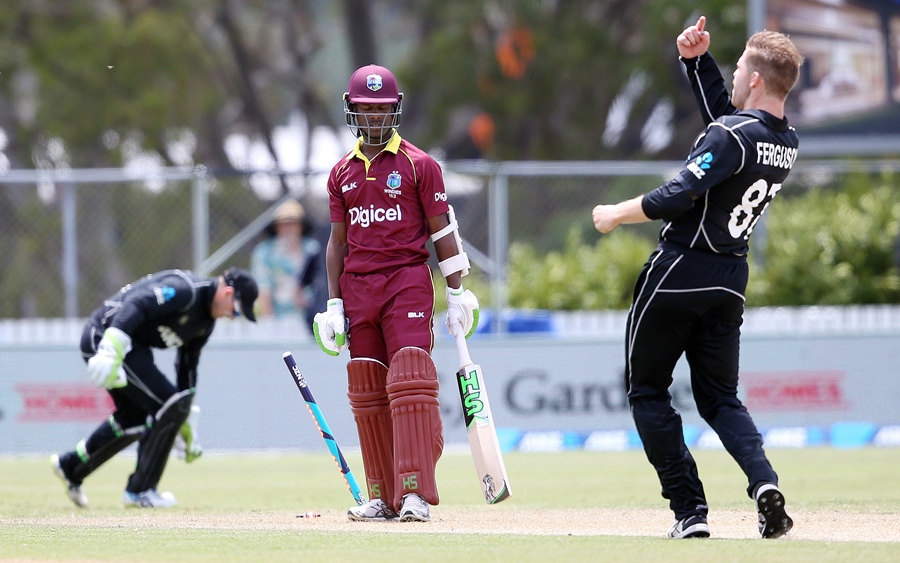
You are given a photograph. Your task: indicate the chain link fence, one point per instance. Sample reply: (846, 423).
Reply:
(69, 239)
(72, 238)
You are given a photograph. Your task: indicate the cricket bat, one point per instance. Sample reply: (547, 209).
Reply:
(480, 427)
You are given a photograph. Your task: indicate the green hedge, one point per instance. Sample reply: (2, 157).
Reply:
(581, 277)
(822, 247)
(831, 247)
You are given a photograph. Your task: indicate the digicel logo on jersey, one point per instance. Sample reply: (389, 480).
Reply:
(365, 216)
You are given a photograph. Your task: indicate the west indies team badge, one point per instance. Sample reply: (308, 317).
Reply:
(374, 82)
(394, 180)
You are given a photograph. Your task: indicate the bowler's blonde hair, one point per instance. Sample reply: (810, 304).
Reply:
(775, 57)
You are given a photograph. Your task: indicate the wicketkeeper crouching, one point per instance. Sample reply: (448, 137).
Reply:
(172, 308)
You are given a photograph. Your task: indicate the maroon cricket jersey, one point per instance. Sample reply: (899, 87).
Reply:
(385, 204)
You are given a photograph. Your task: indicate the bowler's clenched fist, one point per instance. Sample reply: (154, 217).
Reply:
(604, 220)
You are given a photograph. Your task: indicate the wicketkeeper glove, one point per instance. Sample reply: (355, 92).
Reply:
(105, 368)
(186, 446)
(462, 311)
(330, 328)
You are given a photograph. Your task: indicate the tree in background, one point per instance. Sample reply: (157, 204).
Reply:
(575, 80)
(93, 83)
(170, 79)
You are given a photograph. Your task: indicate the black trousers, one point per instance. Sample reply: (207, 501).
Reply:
(148, 387)
(690, 303)
(135, 405)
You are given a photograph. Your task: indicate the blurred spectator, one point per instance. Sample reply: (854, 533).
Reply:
(280, 262)
(312, 275)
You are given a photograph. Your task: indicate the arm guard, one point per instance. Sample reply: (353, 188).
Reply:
(459, 262)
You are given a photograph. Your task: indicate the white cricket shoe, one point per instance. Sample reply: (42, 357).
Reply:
(74, 491)
(149, 499)
(414, 509)
(376, 510)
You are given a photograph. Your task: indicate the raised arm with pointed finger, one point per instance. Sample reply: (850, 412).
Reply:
(703, 73)
(694, 40)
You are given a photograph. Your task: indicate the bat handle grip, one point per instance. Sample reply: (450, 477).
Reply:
(463, 349)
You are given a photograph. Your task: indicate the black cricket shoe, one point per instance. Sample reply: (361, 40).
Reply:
(691, 527)
(773, 520)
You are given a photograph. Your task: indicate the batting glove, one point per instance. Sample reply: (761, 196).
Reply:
(462, 311)
(186, 446)
(330, 328)
(105, 368)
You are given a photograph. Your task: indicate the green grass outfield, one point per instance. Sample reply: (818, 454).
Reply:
(577, 506)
